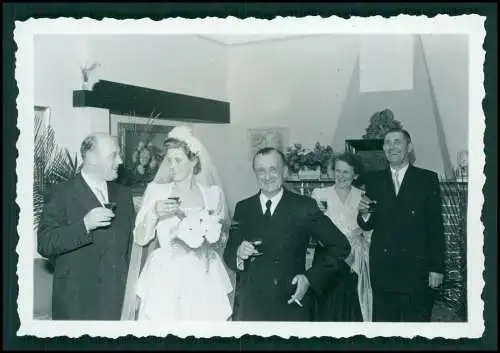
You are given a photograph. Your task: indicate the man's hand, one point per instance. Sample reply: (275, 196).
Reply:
(302, 284)
(364, 206)
(435, 280)
(245, 250)
(97, 218)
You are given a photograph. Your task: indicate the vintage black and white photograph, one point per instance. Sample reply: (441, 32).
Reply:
(294, 177)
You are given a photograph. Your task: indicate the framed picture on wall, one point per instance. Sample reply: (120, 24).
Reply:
(268, 137)
(142, 149)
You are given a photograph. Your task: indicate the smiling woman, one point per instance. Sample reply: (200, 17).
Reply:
(350, 299)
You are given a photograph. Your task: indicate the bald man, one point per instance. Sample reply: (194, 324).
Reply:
(86, 231)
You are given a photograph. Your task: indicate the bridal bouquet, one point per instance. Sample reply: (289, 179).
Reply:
(199, 227)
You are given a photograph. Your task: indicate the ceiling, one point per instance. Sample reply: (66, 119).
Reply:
(230, 39)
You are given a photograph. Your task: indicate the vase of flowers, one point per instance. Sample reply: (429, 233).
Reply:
(306, 163)
(323, 156)
(294, 156)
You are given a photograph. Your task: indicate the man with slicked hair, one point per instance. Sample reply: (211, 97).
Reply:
(86, 231)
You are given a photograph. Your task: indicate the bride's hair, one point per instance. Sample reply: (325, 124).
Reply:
(173, 143)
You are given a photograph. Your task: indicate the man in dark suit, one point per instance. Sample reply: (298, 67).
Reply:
(268, 247)
(87, 238)
(407, 244)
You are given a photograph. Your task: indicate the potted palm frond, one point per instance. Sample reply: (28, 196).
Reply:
(52, 164)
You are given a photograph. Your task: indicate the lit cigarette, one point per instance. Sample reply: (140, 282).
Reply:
(298, 303)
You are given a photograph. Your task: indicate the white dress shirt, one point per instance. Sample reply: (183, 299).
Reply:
(401, 175)
(98, 187)
(274, 201)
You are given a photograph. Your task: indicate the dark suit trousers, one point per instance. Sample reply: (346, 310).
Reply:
(403, 307)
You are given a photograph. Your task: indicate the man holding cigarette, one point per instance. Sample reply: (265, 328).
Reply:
(268, 245)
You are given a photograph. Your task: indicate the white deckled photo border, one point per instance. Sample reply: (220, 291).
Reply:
(472, 25)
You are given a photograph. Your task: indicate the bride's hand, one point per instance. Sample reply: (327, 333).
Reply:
(167, 208)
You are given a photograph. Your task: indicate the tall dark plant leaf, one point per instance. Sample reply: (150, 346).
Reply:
(52, 164)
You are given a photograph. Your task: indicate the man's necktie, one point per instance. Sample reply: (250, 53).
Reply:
(268, 209)
(397, 182)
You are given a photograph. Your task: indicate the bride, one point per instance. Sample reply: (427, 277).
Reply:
(184, 207)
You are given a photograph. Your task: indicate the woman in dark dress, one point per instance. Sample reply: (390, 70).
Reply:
(349, 296)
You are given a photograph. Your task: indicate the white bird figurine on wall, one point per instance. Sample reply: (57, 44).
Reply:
(86, 70)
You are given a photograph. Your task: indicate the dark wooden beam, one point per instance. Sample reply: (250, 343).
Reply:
(123, 99)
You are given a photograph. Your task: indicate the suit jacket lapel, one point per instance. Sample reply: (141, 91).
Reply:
(282, 205)
(407, 181)
(112, 195)
(84, 194)
(258, 207)
(389, 183)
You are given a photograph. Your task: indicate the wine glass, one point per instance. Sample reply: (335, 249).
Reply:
(257, 244)
(324, 204)
(373, 203)
(111, 206)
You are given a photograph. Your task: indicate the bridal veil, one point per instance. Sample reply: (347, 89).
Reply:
(145, 224)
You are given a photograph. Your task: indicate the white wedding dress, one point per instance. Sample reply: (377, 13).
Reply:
(185, 278)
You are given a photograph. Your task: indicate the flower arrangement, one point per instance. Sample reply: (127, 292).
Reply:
(203, 226)
(299, 158)
(201, 231)
(380, 123)
(146, 157)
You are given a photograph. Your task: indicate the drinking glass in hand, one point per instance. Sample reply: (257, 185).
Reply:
(176, 199)
(257, 244)
(234, 225)
(373, 206)
(179, 213)
(372, 203)
(111, 206)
